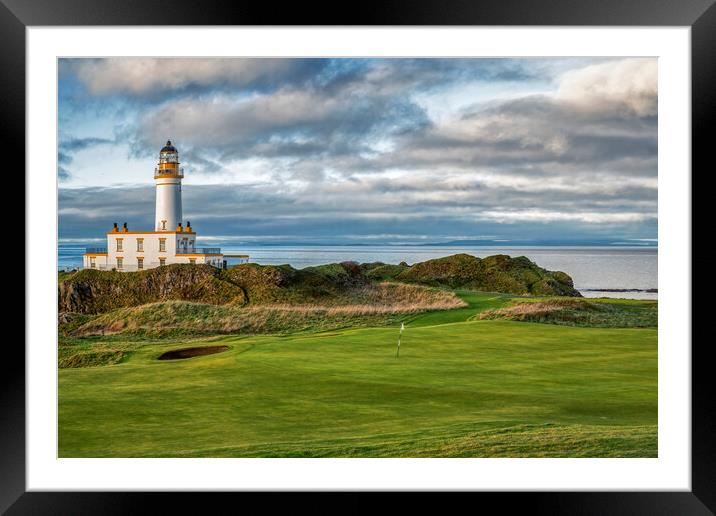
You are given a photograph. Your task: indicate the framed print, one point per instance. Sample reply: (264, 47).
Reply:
(444, 249)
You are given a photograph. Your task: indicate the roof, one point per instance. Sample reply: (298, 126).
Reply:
(168, 147)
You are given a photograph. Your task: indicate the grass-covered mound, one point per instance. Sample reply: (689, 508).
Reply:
(498, 273)
(371, 305)
(93, 291)
(334, 283)
(611, 313)
(77, 353)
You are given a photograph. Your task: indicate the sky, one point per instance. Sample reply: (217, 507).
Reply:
(370, 151)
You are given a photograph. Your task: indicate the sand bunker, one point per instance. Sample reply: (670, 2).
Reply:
(179, 354)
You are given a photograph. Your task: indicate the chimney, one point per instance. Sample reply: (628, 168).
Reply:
(115, 228)
(188, 226)
(124, 228)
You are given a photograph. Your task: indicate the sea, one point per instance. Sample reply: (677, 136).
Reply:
(593, 269)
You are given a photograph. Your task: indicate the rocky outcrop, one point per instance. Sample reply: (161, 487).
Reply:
(498, 273)
(92, 291)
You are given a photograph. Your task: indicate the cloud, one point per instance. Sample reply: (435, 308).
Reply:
(625, 87)
(142, 76)
(288, 122)
(152, 76)
(346, 124)
(373, 205)
(335, 146)
(78, 144)
(63, 174)
(608, 127)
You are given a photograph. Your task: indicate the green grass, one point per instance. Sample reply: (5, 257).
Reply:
(570, 311)
(476, 303)
(461, 388)
(63, 275)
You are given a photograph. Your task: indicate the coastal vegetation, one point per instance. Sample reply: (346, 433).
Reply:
(92, 291)
(608, 313)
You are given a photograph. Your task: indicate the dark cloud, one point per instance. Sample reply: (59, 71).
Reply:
(63, 174)
(77, 144)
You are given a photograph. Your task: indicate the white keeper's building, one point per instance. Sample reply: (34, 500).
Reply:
(171, 241)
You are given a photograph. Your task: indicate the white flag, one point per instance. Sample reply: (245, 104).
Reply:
(402, 327)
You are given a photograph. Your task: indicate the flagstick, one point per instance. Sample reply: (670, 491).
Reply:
(400, 335)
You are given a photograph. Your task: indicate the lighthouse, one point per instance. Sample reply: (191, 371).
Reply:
(167, 178)
(169, 242)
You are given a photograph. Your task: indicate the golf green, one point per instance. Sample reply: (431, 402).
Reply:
(459, 389)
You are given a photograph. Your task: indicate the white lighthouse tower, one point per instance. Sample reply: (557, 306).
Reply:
(167, 177)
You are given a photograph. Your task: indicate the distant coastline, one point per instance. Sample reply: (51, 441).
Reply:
(448, 244)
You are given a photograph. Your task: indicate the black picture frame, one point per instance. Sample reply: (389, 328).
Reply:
(700, 15)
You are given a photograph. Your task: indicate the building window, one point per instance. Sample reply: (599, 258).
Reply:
(120, 262)
(92, 262)
(140, 263)
(119, 245)
(192, 261)
(162, 261)
(140, 245)
(164, 225)
(162, 245)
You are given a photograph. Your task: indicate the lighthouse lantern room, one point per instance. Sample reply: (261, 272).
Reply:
(167, 177)
(169, 242)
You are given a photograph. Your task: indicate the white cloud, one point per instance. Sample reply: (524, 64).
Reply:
(222, 119)
(140, 76)
(536, 215)
(627, 85)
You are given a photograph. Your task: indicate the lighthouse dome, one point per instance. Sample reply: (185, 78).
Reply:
(168, 147)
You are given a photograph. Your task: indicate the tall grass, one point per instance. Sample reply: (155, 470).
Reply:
(371, 305)
(578, 312)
